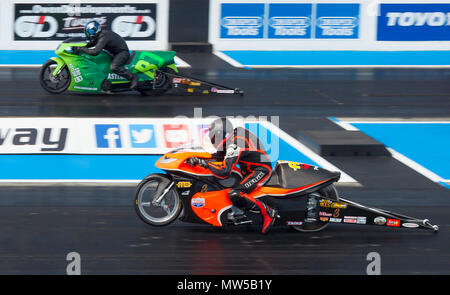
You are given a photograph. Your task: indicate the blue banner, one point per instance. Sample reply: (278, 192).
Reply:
(337, 21)
(414, 22)
(290, 20)
(242, 20)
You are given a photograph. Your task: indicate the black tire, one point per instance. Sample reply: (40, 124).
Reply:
(162, 84)
(51, 84)
(139, 204)
(328, 192)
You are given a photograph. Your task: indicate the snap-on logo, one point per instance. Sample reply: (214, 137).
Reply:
(337, 26)
(291, 26)
(241, 25)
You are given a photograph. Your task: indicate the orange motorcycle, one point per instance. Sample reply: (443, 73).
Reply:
(303, 195)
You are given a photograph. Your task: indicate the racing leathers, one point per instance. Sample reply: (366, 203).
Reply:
(116, 46)
(243, 149)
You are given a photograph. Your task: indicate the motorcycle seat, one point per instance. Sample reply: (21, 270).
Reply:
(288, 176)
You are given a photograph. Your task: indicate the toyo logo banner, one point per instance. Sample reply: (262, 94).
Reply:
(414, 22)
(289, 21)
(53, 21)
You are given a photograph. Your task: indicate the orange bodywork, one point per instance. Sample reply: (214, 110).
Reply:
(176, 162)
(210, 205)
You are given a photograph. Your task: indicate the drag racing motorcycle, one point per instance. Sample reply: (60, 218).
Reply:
(156, 70)
(304, 195)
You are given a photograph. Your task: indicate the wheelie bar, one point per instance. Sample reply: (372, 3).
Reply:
(349, 212)
(192, 85)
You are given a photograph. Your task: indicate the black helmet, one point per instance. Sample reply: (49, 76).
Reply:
(219, 130)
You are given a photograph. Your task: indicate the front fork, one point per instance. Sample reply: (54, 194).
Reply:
(59, 65)
(157, 201)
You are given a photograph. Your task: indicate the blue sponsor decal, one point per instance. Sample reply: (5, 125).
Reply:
(290, 20)
(337, 21)
(108, 136)
(142, 136)
(242, 20)
(414, 22)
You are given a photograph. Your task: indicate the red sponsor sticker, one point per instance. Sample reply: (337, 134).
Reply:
(393, 222)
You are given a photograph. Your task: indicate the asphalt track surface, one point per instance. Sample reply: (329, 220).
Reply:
(41, 224)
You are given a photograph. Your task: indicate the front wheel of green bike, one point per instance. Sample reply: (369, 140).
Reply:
(54, 83)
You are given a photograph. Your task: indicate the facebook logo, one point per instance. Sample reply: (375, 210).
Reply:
(108, 136)
(142, 136)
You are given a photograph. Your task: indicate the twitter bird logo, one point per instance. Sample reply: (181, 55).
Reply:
(142, 136)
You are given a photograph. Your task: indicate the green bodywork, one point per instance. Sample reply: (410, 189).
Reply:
(88, 72)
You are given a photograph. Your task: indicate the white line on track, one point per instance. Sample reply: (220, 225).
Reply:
(228, 59)
(415, 166)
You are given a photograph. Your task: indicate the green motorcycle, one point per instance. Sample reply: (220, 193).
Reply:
(92, 74)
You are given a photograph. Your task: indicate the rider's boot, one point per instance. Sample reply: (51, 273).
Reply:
(269, 215)
(134, 82)
(129, 76)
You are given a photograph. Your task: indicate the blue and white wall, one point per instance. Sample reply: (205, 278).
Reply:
(324, 32)
(115, 150)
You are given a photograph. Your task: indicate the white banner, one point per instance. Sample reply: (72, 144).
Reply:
(100, 135)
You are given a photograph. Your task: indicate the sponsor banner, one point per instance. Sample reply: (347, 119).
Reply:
(98, 135)
(56, 21)
(337, 21)
(414, 22)
(289, 21)
(242, 20)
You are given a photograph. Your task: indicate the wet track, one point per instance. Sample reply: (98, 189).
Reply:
(41, 224)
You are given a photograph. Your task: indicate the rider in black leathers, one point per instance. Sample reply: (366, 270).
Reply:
(240, 147)
(114, 44)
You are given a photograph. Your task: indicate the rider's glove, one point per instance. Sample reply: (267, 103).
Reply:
(196, 161)
(203, 163)
(75, 50)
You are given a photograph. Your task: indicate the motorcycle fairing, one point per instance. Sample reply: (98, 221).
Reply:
(196, 189)
(176, 162)
(211, 206)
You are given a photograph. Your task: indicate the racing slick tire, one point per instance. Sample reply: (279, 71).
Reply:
(145, 194)
(328, 192)
(54, 85)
